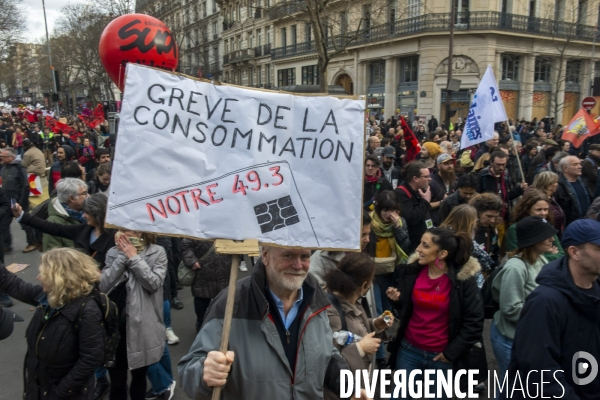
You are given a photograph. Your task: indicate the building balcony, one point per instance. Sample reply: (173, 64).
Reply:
(287, 8)
(440, 22)
(238, 56)
(260, 51)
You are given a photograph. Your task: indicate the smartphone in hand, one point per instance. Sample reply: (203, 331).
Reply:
(13, 203)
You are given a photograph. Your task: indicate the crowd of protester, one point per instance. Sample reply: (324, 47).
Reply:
(507, 230)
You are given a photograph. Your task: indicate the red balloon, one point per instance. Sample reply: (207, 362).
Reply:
(137, 38)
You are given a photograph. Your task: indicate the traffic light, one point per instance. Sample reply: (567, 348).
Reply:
(57, 80)
(54, 96)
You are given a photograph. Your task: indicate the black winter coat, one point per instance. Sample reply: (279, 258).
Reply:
(447, 205)
(567, 200)
(466, 307)
(80, 234)
(15, 183)
(371, 190)
(416, 211)
(213, 276)
(63, 351)
(558, 320)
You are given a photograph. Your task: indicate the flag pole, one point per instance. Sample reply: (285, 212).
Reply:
(515, 149)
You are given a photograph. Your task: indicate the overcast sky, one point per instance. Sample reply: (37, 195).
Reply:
(34, 15)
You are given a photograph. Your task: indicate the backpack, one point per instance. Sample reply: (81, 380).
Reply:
(490, 306)
(110, 323)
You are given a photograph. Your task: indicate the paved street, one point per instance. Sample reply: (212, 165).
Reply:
(12, 350)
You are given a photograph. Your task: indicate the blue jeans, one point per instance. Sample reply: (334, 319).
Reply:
(167, 313)
(410, 358)
(502, 347)
(382, 303)
(160, 374)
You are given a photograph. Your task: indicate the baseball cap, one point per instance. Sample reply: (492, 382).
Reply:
(444, 157)
(7, 317)
(581, 231)
(388, 151)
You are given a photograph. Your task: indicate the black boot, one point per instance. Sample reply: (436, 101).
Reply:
(102, 388)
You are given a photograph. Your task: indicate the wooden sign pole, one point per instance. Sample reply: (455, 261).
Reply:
(236, 249)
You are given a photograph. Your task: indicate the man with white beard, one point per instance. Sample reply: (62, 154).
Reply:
(281, 345)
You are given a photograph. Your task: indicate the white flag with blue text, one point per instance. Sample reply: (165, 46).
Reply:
(486, 109)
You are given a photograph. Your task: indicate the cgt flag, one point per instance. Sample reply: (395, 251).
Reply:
(581, 127)
(486, 109)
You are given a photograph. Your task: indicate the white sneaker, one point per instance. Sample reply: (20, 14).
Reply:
(172, 337)
(243, 267)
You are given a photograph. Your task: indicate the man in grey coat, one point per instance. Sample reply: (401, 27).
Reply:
(281, 343)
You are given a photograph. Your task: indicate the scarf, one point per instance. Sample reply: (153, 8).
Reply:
(78, 215)
(374, 178)
(386, 230)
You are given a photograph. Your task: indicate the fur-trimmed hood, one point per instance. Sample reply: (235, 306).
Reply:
(469, 270)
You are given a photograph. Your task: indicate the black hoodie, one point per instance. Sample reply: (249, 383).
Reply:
(557, 321)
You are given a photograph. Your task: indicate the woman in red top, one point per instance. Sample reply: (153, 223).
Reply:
(438, 303)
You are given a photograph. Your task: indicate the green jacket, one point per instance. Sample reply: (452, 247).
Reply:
(512, 285)
(57, 214)
(511, 244)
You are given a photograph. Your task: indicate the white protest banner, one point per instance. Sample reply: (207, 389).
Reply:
(215, 161)
(486, 109)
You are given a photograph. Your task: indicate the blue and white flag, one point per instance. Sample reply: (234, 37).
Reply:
(486, 109)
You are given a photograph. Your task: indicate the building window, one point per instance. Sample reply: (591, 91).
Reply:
(366, 22)
(377, 73)
(250, 40)
(414, 8)
(240, 77)
(250, 76)
(283, 34)
(259, 35)
(268, 35)
(343, 23)
(310, 75)
(308, 33)
(409, 67)
(510, 67)
(268, 70)
(573, 71)
(215, 30)
(286, 77)
(259, 75)
(226, 77)
(542, 69)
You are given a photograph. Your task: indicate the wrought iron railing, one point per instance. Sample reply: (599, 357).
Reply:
(287, 8)
(440, 22)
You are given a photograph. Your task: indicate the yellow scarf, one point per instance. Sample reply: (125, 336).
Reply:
(386, 230)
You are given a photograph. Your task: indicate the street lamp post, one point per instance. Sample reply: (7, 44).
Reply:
(56, 106)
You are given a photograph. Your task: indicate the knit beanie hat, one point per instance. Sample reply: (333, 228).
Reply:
(433, 149)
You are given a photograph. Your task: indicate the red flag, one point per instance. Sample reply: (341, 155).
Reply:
(30, 115)
(412, 143)
(91, 121)
(581, 127)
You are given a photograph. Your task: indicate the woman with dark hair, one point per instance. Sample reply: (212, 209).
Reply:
(533, 203)
(90, 237)
(516, 280)
(438, 304)
(64, 154)
(388, 244)
(101, 179)
(346, 285)
(133, 277)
